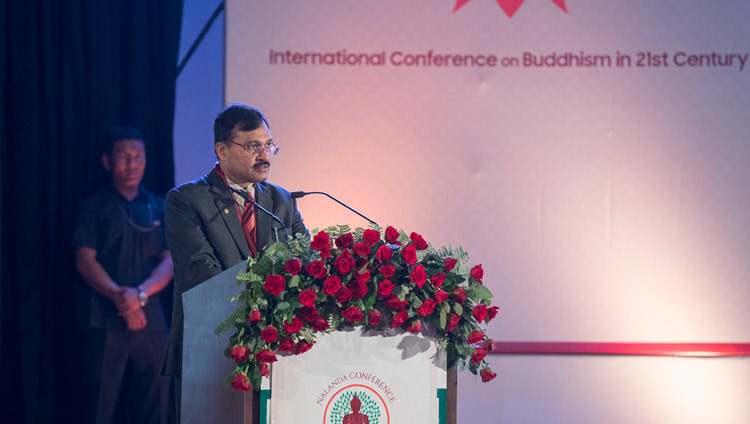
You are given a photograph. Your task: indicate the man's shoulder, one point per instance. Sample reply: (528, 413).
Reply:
(275, 189)
(197, 185)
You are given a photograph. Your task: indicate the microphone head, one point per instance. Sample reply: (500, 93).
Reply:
(298, 194)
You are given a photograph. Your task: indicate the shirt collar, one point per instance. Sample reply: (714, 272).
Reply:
(237, 198)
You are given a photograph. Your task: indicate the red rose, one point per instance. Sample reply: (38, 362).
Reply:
(487, 375)
(320, 325)
(364, 277)
(286, 344)
(475, 336)
(414, 327)
(453, 320)
(266, 355)
(274, 284)
(307, 297)
(374, 317)
(441, 295)
(293, 327)
(384, 253)
(239, 353)
(427, 307)
(269, 334)
(477, 273)
(437, 279)
(409, 254)
(489, 345)
(316, 269)
(479, 312)
(308, 313)
(264, 370)
(385, 288)
(361, 249)
(331, 285)
(344, 240)
(343, 295)
(293, 266)
(399, 319)
(302, 347)
(358, 289)
(459, 295)
(388, 271)
(325, 254)
(394, 302)
(254, 316)
(344, 263)
(321, 242)
(449, 264)
(240, 382)
(418, 241)
(370, 237)
(418, 275)
(353, 314)
(391, 236)
(477, 356)
(492, 313)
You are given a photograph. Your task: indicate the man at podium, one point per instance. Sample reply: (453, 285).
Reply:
(215, 222)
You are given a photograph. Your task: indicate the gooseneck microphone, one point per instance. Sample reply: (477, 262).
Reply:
(298, 194)
(247, 198)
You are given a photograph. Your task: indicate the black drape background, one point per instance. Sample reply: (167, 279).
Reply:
(68, 70)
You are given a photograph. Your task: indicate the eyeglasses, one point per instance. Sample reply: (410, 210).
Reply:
(255, 148)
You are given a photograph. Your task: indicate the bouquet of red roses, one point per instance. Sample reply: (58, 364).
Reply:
(344, 278)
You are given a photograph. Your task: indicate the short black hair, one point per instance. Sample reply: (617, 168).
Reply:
(248, 118)
(119, 133)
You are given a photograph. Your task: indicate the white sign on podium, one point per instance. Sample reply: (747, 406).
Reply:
(353, 377)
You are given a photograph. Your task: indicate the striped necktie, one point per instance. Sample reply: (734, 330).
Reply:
(248, 226)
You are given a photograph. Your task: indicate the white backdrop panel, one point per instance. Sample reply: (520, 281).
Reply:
(607, 203)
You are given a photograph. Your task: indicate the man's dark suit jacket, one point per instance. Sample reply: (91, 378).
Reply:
(205, 237)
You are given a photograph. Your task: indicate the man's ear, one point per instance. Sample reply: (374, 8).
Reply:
(220, 149)
(106, 163)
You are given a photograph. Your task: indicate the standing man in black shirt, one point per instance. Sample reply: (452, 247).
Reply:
(122, 255)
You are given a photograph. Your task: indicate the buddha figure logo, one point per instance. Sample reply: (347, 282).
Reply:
(356, 404)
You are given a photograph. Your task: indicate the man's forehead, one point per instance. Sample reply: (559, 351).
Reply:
(128, 144)
(260, 134)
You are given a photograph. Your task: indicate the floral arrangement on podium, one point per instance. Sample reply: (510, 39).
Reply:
(362, 277)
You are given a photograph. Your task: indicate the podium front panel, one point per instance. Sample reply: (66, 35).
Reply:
(395, 376)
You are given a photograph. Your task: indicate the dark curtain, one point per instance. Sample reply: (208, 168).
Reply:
(68, 71)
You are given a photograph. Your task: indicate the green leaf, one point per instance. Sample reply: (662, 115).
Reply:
(307, 334)
(228, 324)
(293, 282)
(282, 307)
(482, 292)
(370, 299)
(458, 309)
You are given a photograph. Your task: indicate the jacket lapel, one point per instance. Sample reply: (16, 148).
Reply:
(228, 211)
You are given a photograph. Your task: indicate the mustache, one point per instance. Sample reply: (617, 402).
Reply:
(262, 163)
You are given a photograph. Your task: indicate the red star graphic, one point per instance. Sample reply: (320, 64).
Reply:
(510, 7)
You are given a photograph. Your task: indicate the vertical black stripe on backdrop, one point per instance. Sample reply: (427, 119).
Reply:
(9, 350)
(24, 192)
(68, 70)
(72, 123)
